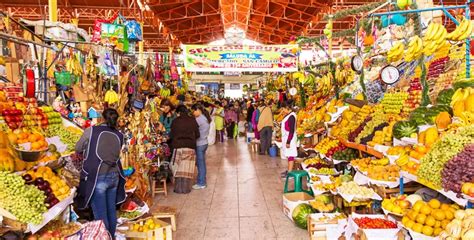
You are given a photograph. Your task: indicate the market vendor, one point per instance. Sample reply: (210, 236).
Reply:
(102, 185)
(288, 136)
(168, 115)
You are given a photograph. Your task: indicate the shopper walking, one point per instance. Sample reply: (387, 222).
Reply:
(203, 120)
(250, 111)
(184, 134)
(102, 185)
(265, 127)
(219, 121)
(255, 117)
(211, 138)
(288, 136)
(231, 121)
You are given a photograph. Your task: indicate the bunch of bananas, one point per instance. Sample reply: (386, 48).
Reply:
(324, 84)
(344, 75)
(90, 66)
(414, 50)
(462, 31)
(461, 94)
(435, 38)
(165, 92)
(111, 97)
(402, 160)
(73, 65)
(395, 53)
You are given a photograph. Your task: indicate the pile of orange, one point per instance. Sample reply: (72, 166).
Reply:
(38, 141)
(429, 218)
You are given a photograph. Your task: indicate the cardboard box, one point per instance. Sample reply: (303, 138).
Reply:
(13, 72)
(291, 200)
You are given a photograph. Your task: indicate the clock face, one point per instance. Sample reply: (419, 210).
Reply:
(357, 63)
(390, 74)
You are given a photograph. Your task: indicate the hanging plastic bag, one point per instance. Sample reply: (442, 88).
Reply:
(108, 67)
(134, 31)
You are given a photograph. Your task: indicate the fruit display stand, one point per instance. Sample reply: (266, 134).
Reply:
(449, 194)
(387, 227)
(51, 214)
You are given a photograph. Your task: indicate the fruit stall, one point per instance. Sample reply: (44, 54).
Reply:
(41, 124)
(395, 155)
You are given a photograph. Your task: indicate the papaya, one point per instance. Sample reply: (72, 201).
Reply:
(443, 120)
(431, 135)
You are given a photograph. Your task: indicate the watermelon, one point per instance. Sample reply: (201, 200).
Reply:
(444, 97)
(404, 129)
(300, 215)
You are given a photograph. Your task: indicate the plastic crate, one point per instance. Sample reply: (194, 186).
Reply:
(162, 233)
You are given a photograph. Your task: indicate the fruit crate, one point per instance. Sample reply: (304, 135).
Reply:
(318, 230)
(161, 233)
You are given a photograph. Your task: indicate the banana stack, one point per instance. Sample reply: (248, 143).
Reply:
(90, 66)
(111, 97)
(414, 50)
(324, 85)
(462, 31)
(74, 66)
(435, 38)
(165, 92)
(395, 53)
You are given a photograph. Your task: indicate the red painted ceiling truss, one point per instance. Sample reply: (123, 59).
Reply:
(203, 21)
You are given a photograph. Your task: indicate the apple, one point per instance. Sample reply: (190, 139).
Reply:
(12, 125)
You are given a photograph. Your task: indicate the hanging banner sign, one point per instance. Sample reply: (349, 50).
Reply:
(262, 58)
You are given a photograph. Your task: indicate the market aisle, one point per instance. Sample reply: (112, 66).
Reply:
(242, 201)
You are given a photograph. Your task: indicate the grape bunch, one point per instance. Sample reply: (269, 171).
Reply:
(355, 133)
(459, 170)
(370, 126)
(25, 202)
(442, 151)
(67, 137)
(368, 138)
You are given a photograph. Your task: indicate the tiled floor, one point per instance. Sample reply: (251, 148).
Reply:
(243, 199)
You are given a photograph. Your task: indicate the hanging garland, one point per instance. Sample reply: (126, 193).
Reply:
(353, 11)
(315, 40)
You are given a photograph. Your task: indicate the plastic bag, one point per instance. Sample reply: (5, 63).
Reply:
(134, 31)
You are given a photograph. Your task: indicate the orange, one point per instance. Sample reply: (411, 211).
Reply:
(439, 215)
(405, 219)
(445, 206)
(421, 218)
(427, 230)
(418, 205)
(412, 215)
(444, 223)
(418, 227)
(35, 146)
(434, 203)
(437, 231)
(32, 138)
(44, 144)
(449, 215)
(430, 221)
(425, 210)
(410, 224)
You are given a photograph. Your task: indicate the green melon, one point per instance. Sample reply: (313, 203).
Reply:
(300, 215)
